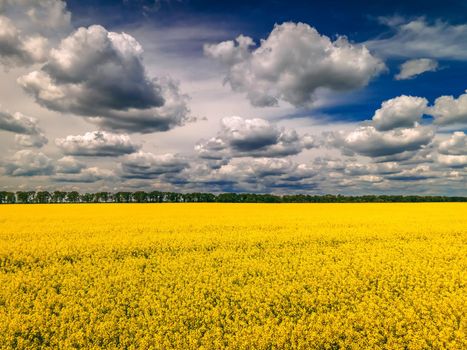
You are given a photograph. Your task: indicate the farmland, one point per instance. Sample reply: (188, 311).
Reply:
(239, 276)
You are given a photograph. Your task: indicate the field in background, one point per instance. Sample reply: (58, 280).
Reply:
(240, 276)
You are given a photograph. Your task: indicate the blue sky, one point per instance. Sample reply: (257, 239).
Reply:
(259, 96)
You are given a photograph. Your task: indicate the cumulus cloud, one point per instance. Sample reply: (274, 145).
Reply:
(69, 165)
(37, 140)
(16, 49)
(449, 110)
(368, 141)
(422, 155)
(411, 68)
(420, 38)
(143, 165)
(292, 64)
(100, 75)
(25, 29)
(18, 123)
(420, 172)
(256, 137)
(453, 161)
(254, 174)
(88, 175)
(453, 151)
(28, 163)
(355, 168)
(97, 143)
(456, 145)
(402, 111)
(42, 16)
(28, 132)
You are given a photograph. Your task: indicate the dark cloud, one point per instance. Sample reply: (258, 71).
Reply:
(88, 175)
(18, 123)
(28, 163)
(69, 165)
(100, 75)
(17, 50)
(28, 132)
(421, 172)
(241, 137)
(144, 165)
(26, 27)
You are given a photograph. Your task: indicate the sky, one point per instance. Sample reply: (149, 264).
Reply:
(340, 97)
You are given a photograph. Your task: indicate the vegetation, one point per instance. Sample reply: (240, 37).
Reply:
(251, 276)
(28, 197)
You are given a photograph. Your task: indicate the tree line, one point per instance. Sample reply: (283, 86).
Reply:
(174, 197)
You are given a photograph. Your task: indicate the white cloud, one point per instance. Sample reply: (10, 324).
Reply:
(293, 64)
(402, 111)
(456, 145)
(28, 163)
(371, 178)
(100, 75)
(453, 161)
(97, 143)
(419, 38)
(368, 141)
(36, 141)
(411, 68)
(69, 165)
(448, 110)
(256, 137)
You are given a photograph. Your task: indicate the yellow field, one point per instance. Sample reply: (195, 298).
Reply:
(239, 276)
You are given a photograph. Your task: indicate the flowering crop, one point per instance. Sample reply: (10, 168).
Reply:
(239, 276)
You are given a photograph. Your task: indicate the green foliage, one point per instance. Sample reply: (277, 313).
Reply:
(199, 197)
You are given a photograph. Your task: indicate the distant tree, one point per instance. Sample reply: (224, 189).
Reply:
(73, 197)
(140, 197)
(58, 197)
(123, 197)
(87, 197)
(228, 198)
(22, 197)
(155, 197)
(7, 197)
(174, 197)
(102, 197)
(42, 197)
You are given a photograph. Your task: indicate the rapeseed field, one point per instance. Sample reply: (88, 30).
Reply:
(234, 276)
